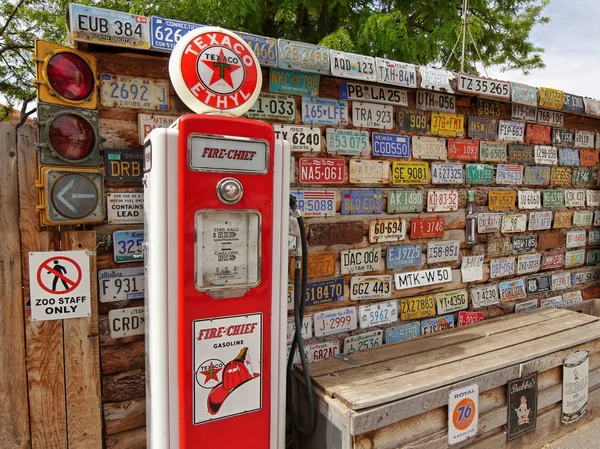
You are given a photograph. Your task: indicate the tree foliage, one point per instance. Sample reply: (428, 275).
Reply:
(418, 31)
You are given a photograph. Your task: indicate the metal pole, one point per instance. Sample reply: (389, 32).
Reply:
(465, 17)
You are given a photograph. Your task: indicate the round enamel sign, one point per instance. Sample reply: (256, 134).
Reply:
(214, 71)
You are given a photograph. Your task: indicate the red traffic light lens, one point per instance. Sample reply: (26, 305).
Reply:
(70, 76)
(71, 136)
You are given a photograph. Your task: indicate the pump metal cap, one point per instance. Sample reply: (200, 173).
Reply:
(230, 190)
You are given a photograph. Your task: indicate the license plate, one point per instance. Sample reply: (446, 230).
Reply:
(563, 219)
(321, 351)
(550, 118)
(528, 263)
(492, 151)
(319, 265)
(301, 138)
(551, 98)
(351, 65)
(553, 198)
(482, 128)
(463, 150)
(360, 342)
(321, 171)
(435, 101)
(524, 94)
(324, 292)
(560, 281)
(596, 213)
(553, 260)
(511, 131)
(445, 124)
(370, 287)
(499, 247)
(403, 332)
(118, 91)
(304, 57)
(293, 82)
(576, 239)
(471, 268)
(583, 218)
(468, 318)
(165, 33)
(265, 48)
(484, 296)
(488, 223)
(436, 79)
(512, 290)
(452, 301)
(429, 148)
(411, 120)
(373, 94)
(509, 174)
(574, 103)
(584, 139)
(483, 86)
(396, 73)
(410, 172)
(574, 258)
(402, 256)
(479, 174)
(585, 277)
(560, 176)
(391, 145)
(349, 142)
(402, 201)
(550, 240)
(540, 221)
(426, 228)
(524, 113)
(561, 136)
(588, 158)
(149, 122)
(593, 200)
(538, 176)
(490, 108)
(568, 157)
(593, 257)
(128, 246)
(362, 260)
(363, 171)
(442, 200)
(324, 111)
(537, 284)
(121, 284)
(372, 115)
(362, 202)
(555, 302)
(378, 314)
(315, 203)
(387, 230)
(514, 223)
(502, 267)
(530, 199)
(583, 176)
(447, 251)
(335, 321)
(522, 244)
(306, 330)
(417, 307)
(520, 154)
(572, 298)
(501, 199)
(281, 108)
(125, 207)
(546, 155)
(108, 27)
(126, 322)
(575, 198)
(435, 325)
(422, 278)
(447, 173)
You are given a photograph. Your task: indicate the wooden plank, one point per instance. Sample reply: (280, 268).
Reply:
(130, 439)
(367, 395)
(14, 425)
(123, 386)
(82, 358)
(429, 342)
(126, 415)
(116, 359)
(44, 339)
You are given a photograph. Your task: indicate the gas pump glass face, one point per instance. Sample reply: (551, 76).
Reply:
(228, 249)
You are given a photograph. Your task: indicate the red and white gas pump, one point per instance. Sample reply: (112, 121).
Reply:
(216, 191)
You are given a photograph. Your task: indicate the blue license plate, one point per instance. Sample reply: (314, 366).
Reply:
(294, 82)
(265, 48)
(568, 156)
(324, 111)
(391, 145)
(482, 128)
(401, 256)
(165, 33)
(128, 246)
(594, 236)
(403, 332)
(324, 292)
(439, 324)
(536, 176)
(362, 202)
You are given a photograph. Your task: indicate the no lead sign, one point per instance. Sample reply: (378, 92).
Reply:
(59, 285)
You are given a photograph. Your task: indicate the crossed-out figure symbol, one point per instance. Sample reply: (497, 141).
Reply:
(58, 268)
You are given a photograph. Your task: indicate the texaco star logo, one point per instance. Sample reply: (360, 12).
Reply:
(223, 75)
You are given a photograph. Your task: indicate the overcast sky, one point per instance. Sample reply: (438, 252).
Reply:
(572, 44)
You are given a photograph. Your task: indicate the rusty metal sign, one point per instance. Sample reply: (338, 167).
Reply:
(490, 108)
(335, 233)
(588, 158)
(551, 240)
(538, 134)
(319, 265)
(537, 176)
(482, 128)
(563, 219)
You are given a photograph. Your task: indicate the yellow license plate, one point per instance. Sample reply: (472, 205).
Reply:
(551, 98)
(319, 265)
(501, 200)
(417, 307)
(445, 124)
(560, 175)
(563, 219)
(410, 173)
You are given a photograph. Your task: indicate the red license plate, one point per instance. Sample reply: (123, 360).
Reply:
(427, 228)
(538, 134)
(463, 149)
(553, 260)
(466, 318)
(588, 158)
(321, 171)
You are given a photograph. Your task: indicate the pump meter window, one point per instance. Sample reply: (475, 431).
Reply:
(227, 250)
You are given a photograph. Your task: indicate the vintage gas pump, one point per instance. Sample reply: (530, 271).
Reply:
(216, 227)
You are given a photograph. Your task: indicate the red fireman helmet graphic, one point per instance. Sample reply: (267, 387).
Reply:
(235, 374)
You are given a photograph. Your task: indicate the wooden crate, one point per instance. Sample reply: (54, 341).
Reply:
(396, 396)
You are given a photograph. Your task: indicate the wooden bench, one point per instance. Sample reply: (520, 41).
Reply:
(396, 396)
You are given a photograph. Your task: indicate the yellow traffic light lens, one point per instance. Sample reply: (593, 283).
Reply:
(70, 76)
(71, 136)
